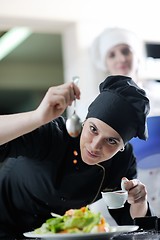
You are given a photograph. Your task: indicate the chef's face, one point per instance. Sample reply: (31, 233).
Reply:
(99, 142)
(121, 60)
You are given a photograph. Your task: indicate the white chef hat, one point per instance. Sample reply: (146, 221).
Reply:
(109, 38)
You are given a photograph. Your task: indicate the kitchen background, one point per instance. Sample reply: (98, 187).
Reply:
(56, 41)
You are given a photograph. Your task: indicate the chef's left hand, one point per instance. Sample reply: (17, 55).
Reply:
(137, 197)
(136, 191)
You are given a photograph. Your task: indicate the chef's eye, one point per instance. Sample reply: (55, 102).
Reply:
(93, 129)
(126, 51)
(111, 141)
(111, 55)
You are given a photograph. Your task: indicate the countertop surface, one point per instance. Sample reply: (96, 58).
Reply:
(137, 235)
(152, 235)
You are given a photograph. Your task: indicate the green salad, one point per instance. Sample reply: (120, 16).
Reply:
(75, 221)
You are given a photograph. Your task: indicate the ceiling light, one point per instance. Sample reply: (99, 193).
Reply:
(10, 40)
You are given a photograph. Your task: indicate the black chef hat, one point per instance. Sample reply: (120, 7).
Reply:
(123, 106)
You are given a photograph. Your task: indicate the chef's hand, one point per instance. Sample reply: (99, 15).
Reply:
(56, 100)
(137, 197)
(54, 103)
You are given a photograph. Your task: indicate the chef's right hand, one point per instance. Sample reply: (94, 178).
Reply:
(56, 100)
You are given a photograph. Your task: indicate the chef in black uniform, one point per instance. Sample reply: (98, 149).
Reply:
(45, 170)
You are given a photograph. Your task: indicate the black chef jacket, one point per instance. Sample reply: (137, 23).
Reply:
(43, 172)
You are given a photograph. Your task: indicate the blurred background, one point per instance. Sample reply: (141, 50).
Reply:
(45, 43)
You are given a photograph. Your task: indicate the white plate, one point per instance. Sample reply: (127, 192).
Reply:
(115, 230)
